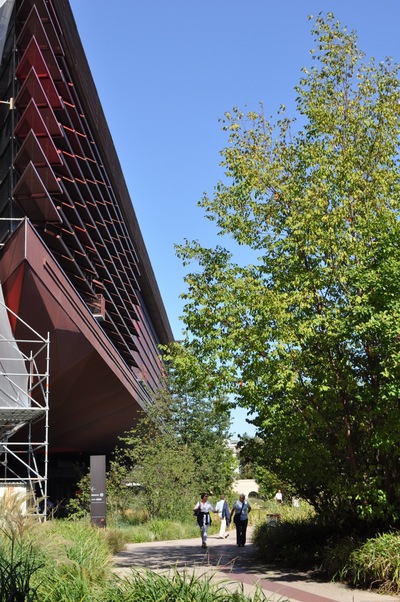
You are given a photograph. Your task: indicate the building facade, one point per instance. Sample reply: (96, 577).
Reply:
(73, 262)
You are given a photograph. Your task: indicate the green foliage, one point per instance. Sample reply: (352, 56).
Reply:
(159, 530)
(335, 558)
(18, 565)
(115, 539)
(176, 449)
(64, 560)
(77, 568)
(247, 457)
(307, 336)
(162, 466)
(299, 540)
(200, 420)
(79, 506)
(249, 454)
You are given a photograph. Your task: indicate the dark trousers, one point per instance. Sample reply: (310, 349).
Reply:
(241, 528)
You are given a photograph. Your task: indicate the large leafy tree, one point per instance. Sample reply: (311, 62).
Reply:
(307, 333)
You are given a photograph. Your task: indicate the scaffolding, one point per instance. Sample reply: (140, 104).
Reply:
(24, 409)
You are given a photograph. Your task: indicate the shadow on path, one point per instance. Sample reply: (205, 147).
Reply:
(221, 555)
(224, 560)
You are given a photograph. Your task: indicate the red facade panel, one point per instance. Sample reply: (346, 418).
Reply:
(43, 91)
(42, 123)
(45, 64)
(32, 194)
(32, 150)
(48, 17)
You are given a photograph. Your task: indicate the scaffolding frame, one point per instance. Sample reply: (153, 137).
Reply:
(24, 462)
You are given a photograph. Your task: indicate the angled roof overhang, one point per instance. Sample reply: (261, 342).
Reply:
(94, 396)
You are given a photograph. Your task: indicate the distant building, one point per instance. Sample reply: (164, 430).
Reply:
(73, 262)
(247, 486)
(232, 444)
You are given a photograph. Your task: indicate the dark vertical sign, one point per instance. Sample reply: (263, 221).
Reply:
(98, 491)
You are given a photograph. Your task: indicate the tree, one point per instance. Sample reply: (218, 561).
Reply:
(161, 470)
(153, 462)
(307, 335)
(201, 421)
(176, 450)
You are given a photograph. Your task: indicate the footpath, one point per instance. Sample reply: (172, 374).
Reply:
(237, 567)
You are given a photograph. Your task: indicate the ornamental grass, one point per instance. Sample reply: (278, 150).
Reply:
(148, 586)
(374, 564)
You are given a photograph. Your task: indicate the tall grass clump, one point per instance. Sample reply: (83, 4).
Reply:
(374, 564)
(162, 530)
(18, 565)
(78, 562)
(336, 555)
(147, 586)
(116, 540)
(20, 561)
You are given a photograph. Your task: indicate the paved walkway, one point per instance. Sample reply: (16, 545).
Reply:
(237, 567)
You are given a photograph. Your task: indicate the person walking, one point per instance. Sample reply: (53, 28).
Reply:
(224, 516)
(279, 496)
(202, 510)
(240, 512)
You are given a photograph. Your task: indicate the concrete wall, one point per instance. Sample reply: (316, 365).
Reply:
(245, 486)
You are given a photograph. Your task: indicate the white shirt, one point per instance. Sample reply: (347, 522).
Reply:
(219, 506)
(206, 507)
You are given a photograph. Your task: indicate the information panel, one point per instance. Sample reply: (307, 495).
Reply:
(98, 491)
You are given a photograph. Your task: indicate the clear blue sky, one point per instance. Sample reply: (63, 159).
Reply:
(167, 70)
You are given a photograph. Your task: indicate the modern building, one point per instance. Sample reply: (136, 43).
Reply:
(73, 263)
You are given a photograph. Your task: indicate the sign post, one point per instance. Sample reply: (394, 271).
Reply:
(98, 491)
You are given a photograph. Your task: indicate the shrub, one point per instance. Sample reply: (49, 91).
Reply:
(161, 530)
(115, 539)
(294, 543)
(336, 556)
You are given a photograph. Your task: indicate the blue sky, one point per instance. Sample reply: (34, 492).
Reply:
(166, 71)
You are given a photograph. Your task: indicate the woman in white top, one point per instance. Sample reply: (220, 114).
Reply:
(202, 510)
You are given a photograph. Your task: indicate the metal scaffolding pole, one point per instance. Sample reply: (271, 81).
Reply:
(24, 409)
